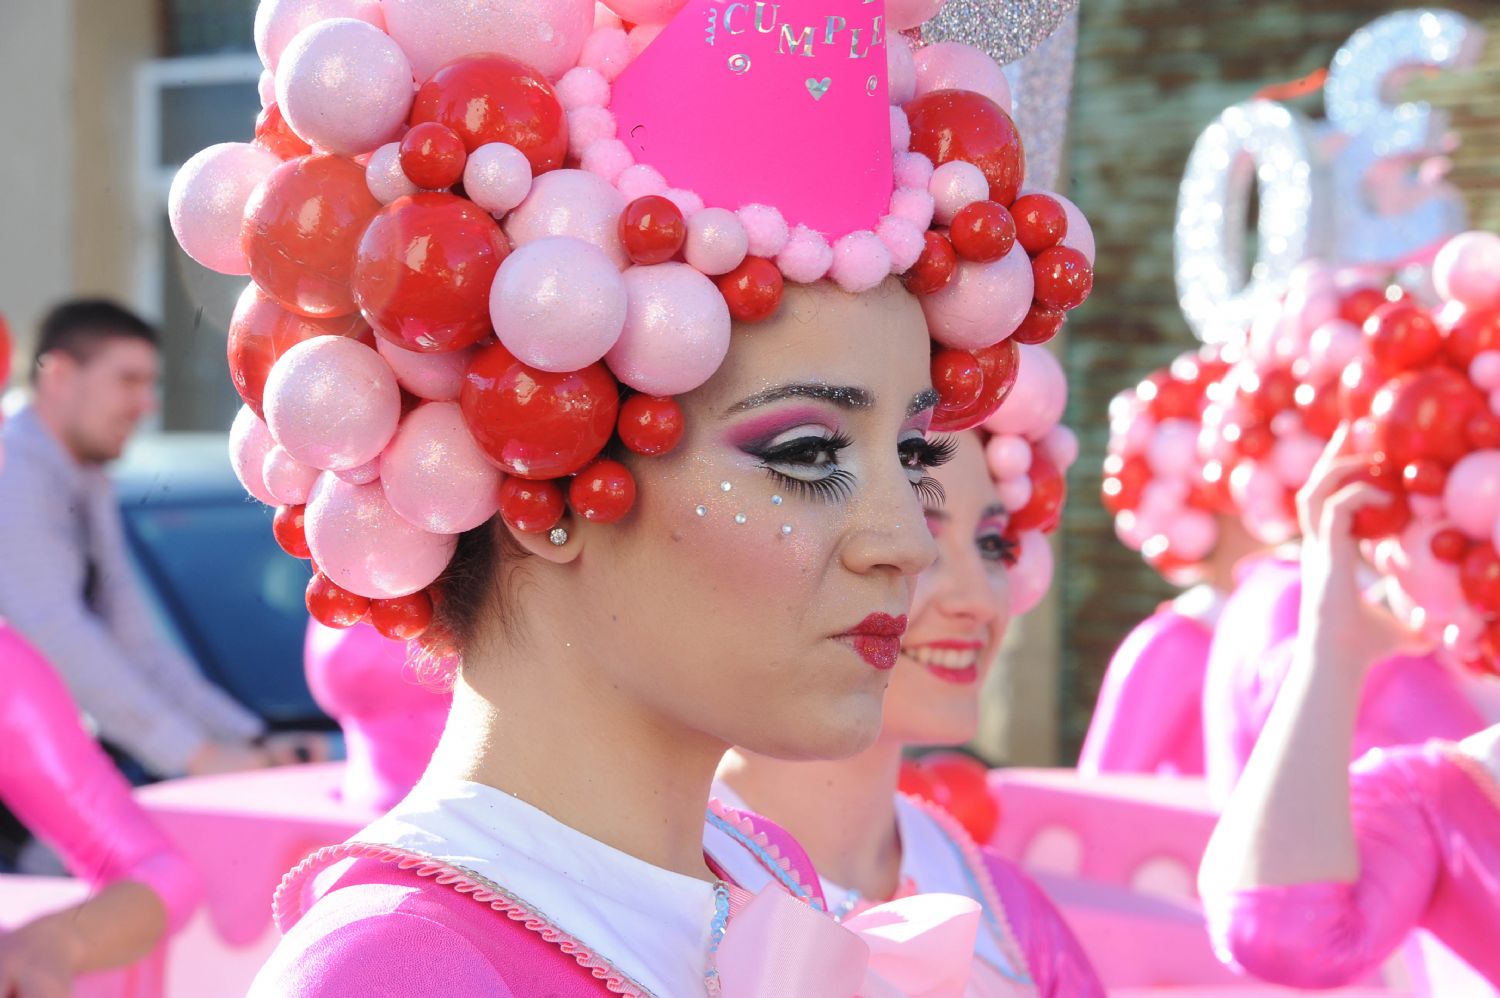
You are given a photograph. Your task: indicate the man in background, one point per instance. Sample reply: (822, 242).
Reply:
(66, 580)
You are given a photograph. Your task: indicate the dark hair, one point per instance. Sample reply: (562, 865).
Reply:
(80, 326)
(464, 594)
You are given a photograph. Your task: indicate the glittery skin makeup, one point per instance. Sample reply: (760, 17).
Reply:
(724, 599)
(960, 613)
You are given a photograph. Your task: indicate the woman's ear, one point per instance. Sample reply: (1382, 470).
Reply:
(560, 545)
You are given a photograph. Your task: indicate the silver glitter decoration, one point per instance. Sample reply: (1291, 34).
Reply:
(725, 486)
(558, 537)
(1035, 42)
(701, 511)
(1396, 216)
(1254, 142)
(776, 500)
(740, 518)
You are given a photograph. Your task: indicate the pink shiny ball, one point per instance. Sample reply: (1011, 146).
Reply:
(571, 203)
(1467, 269)
(902, 15)
(286, 478)
(546, 35)
(435, 376)
(956, 66)
(332, 403)
(344, 86)
(716, 241)
(364, 545)
(954, 186)
(206, 204)
(435, 475)
(558, 304)
(983, 303)
(1035, 405)
(277, 22)
(645, 11)
(1009, 456)
(497, 177)
(250, 441)
(1080, 234)
(676, 330)
(384, 176)
(1031, 576)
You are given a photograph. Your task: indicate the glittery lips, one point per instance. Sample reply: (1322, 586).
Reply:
(877, 639)
(951, 661)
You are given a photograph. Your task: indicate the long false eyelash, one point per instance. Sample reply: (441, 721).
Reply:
(835, 487)
(931, 492)
(936, 451)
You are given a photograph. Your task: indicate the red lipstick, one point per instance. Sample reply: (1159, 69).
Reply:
(877, 639)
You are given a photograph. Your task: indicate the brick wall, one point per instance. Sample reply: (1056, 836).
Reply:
(1151, 74)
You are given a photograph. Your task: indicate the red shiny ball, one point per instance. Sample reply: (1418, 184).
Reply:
(1252, 440)
(290, 527)
(961, 787)
(1357, 387)
(307, 267)
(1000, 364)
(982, 232)
(1048, 491)
(1063, 277)
(603, 492)
(332, 605)
(1359, 304)
(274, 135)
(1041, 222)
(423, 272)
(1449, 545)
(1479, 575)
(531, 507)
(959, 124)
(913, 782)
(405, 618)
(1470, 333)
(752, 290)
(1424, 477)
(1401, 336)
(652, 229)
(1381, 519)
(1129, 476)
(1483, 430)
(1169, 397)
(934, 268)
(957, 377)
(535, 424)
(1041, 324)
(260, 331)
(1268, 393)
(1424, 414)
(432, 156)
(493, 98)
(650, 425)
(1319, 408)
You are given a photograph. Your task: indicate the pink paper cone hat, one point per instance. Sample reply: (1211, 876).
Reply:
(784, 104)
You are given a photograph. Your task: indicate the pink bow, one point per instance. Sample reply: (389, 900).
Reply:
(917, 947)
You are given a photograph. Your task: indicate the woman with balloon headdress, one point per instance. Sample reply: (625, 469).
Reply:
(637, 454)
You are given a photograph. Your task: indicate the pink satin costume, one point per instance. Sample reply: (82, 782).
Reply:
(1407, 699)
(1427, 823)
(63, 787)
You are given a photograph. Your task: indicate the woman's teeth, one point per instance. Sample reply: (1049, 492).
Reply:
(945, 658)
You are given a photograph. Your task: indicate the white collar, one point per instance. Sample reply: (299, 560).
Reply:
(1484, 748)
(650, 923)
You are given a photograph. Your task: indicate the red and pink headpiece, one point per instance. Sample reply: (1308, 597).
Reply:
(489, 239)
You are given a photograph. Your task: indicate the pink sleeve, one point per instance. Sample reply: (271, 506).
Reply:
(1150, 708)
(1410, 699)
(1053, 954)
(346, 948)
(66, 791)
(1322, 935)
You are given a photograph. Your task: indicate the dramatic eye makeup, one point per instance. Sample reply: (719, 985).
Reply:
(799, 447)
(992, 540)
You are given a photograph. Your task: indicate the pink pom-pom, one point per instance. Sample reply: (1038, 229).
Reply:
(497, 177)
(956, 185)
(384, 177)
(250, 441)
(903, 240)
(807, 256)
(686, 201)
(860, 262)
(716, 241)
(640, 180)
(607, 159)
(915, 205)
(583, 87)
(900, 130)
(901, 69)
(1031, 576)
(607, 51)
(587, 125)
(913, 170)
(288, 479)
(1014, 494)
(766, 229)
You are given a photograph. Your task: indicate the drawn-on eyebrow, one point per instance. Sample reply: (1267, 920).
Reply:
(996, 510)
(925, 400)
(844, 396)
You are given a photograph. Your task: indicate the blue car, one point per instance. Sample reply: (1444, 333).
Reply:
(224, 588)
